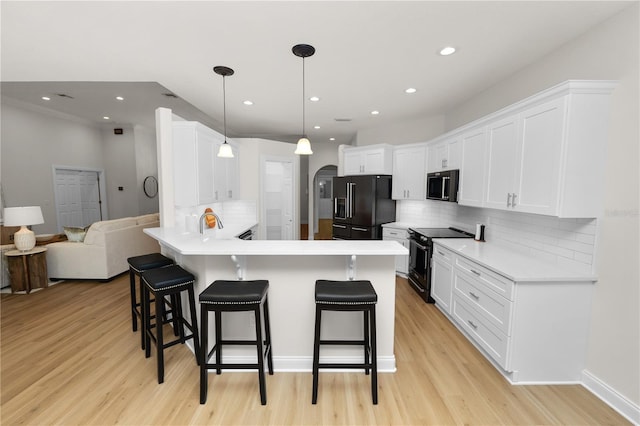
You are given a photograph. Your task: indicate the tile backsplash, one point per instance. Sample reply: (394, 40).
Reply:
(569, 242)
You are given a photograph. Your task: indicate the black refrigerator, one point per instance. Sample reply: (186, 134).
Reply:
(361, 204)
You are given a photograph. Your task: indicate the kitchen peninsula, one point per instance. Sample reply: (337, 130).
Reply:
(292, 268)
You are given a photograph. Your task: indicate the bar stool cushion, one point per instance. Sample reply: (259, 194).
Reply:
(222, 292)
(167, 277)
(148, 261)
(345, 292)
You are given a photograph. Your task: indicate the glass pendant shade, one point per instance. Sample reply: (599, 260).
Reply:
(225, 151)
(303, 147)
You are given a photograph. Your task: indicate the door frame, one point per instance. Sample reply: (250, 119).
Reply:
(102, 187)
(295, 170)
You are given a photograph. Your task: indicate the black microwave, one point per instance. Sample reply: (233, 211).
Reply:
(443, 185)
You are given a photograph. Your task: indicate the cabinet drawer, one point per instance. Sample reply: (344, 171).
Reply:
(442, 254)
(491, 280)
(488, 337)
(395, 233)
(490, 305)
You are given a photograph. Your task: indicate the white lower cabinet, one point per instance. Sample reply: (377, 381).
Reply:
(402, 236)
(533, 331)
(441, 270)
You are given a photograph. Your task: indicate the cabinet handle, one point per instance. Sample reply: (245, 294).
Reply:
(359, 229)
(475, 296)
(216, 195)
(475, 272)
(475, 327)
(339, 226)
(408, 194)
(230, 193)
(513, 200)
(508, 199)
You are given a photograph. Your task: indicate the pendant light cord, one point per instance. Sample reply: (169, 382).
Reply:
(224, 107)
(303, 94)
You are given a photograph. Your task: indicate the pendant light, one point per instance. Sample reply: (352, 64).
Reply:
(225, 150)
(303, 51)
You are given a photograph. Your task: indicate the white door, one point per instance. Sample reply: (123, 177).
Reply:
(78, 200)
(278, 199)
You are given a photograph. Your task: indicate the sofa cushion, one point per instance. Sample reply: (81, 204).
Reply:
(75, 234)
(95, 234)
(148, 218)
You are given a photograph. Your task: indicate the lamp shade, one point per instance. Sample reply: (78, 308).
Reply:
(22, 216)
(225, 151)
(303, 147)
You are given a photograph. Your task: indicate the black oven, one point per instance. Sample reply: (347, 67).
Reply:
(420, 250)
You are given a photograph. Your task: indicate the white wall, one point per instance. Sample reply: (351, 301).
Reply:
(120, 164)
(609, 51)
(146, 165)
(34, 140)
(409, 131)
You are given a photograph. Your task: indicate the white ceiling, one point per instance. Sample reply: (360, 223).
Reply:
(367, 54)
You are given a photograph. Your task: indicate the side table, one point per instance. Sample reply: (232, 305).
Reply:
(28, 269)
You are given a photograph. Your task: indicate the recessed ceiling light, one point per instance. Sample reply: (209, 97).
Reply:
(120, 98)
(316, 127)
(314, 99)
(375, 112)
(410, 90)
(46, 98)
(447, 51)
(105, 118)
(248, 103)
(332, 139)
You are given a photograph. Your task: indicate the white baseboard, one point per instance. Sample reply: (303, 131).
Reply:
(611, 397)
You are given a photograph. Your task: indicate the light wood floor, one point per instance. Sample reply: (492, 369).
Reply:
(68, 356)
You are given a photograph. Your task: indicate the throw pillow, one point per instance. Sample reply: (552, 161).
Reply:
(75, 234)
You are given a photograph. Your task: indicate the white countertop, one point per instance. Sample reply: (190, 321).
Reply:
(223, 242)
(511, 264)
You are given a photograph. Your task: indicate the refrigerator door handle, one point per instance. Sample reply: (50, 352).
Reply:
(352, 190)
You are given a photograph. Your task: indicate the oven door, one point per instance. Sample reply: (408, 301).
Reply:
(419, 272)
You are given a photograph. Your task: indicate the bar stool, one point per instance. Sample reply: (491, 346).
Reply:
(137, 265)
(347, 296)
(168, 281)
(233, 296)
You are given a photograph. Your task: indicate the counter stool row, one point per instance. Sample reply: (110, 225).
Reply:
(160, 277)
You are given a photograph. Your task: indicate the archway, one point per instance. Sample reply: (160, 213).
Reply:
(323, 202)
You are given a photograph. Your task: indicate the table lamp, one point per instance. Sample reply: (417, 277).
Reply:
(24, 239)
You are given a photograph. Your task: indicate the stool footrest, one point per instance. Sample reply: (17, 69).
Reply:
(344, 365)
(343, 342)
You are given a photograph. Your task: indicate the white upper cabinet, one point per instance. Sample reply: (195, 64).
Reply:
(472, 168)
(200, 176)
(409, 172)
(444, 155)
(544, 155)
(226, 175)
(194, 151)
(368, 160)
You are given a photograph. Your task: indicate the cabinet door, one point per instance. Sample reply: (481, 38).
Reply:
(185, 174)
(441, 279)
(454, 154)
(502, 150)
(352, 163)
(537, 181)
(206, 154)
(437, 157)
(409, 174)
(373, 161)
(472, 169)
(233, 175)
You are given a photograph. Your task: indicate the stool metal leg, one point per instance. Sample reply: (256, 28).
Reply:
(159, 337)
(263, 387)
(204, 352)
(194, 323)
(316, 355)
(218, 346)
(134, 303)
(367, 332)
(374, 355)
(267, 332)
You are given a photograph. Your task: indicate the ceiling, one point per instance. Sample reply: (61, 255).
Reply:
(367, 54)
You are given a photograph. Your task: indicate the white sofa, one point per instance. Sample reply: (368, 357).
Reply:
(104, 252)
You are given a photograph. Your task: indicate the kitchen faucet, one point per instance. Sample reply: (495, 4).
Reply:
(201, 221)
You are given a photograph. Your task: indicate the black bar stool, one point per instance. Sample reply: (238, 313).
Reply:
(137, 265)
(168, 281)
(226, 296)
(347, 296)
